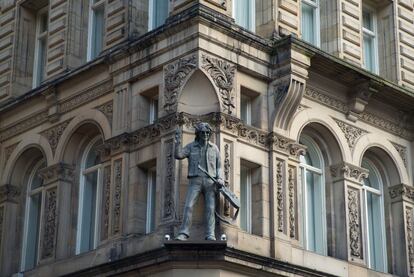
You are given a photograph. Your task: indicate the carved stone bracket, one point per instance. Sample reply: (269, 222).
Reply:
(289, 84)
(354, 221)
(360, 99)
(352, 133)
(52, 103)
(402, 192)
(57, 172)
(222, 74)
(175, 75)
(349, 172)
(402, 150)
(53, 134)
(9, 193)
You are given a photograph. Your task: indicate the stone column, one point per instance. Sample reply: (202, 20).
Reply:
(347, 238)
(402, 229)
(9, 230)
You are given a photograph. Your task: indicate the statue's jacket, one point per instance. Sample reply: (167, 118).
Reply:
(192, 151)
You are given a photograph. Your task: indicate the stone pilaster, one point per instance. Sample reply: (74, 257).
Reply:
(347, 181)
(121, 110)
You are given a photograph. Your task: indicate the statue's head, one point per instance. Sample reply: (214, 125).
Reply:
(202, 131)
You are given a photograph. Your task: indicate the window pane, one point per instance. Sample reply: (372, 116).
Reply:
(151, 192)
(375, 232)
(33, 230)
(369, 53)
(37, 181)
(160, 12)
(243, 14)
(245, 199)
(308, 24)
(314, 212)
(88, 212)
(93, 157)
(367, 20)
(97, 31)
(43, 23)
(245, 109)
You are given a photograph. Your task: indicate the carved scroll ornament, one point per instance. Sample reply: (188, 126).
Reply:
(354, 223)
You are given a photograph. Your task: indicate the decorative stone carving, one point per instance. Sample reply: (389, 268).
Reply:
(57, 172)
(106, 199)
(23, 125)
(9, 193)
(1, 223)
(116, 206)
(222, 74)
(297, 150)
(401, 190)
(410, 241)
(326, 100)
(9, 150)
(354, 223)
(279, 142)
(85, 96)
(351, 172)
(402, 150)
(279, 196)
(49, 235)
(227, 168)
(292, 202)
(169, 206)
(107, 109)
(352, 133)
(53, 134)
(175, 75)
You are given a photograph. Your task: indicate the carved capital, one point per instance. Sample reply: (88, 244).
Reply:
(9, 193)
(57, 172)
(222, 74)
(175, 75)
(360, 99)
(402, 192)
(279, 143)
(349, 172)
(296, 150)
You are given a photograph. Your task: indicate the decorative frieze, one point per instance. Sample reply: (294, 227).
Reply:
(279, 142)
(409, 234)
(23, 125)
(107, 109)
(354, 223)
(169, 203)
(352, 133)
(227, 170)
(279, 196)
(49, 234)
(53, 134)
(57, 172)
(9, 193)
(175, 75)
(222, 74)
(348, 171)
(292, 202)
(116, 201)
(402, 150)
(326, 100)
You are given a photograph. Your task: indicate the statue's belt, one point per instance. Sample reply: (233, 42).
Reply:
(227, 194)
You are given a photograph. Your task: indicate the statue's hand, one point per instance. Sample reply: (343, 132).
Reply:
(220, 183)
(178, 136)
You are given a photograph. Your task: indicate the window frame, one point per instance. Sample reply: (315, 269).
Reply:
(153, 109)
(315, 5)
(372, 34)
(91, 35)
(29, 194)
(151, 11)
(252, 13)
(99, 168)
(39, 73)
(248, 191)
(248, 116)
(304, 168)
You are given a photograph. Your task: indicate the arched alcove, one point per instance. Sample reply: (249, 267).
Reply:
(198, 96)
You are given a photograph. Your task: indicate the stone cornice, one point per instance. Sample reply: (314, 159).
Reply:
(350, 172)
(57, 172)
(9, 193)
(402, 192)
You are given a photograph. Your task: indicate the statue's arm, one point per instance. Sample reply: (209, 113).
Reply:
(180, 153)
(219, 173)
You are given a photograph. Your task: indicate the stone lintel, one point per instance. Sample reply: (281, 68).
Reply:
(57, 172)
(349, 172)
(9, 193)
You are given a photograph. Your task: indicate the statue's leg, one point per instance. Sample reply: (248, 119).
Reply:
(194, 189)
(210, 205)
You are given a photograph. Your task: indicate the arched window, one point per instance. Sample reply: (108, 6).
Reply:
(33, 214)
(373, 201)
(313, 187)
(90, 199)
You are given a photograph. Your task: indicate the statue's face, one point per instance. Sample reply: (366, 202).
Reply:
(204, 134)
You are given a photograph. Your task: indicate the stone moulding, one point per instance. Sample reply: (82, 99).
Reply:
(222, 74)
(352, 133)
(350, 172)
(354, 223)
(57, 172)
(23, 125)
(175, 75)
(9, 193)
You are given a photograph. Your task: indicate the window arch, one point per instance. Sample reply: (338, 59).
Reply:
(373, 208)
(90, 198)
(312, 166)
(33, 217)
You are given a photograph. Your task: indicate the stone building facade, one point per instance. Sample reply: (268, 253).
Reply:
(317, 144)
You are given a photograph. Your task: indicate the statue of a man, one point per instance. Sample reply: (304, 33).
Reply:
(204, 154)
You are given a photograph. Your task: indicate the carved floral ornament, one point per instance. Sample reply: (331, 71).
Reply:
(350, 172)
(352, 133)
(354, 223)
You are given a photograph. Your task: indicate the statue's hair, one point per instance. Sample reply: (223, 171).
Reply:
(199, 127)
